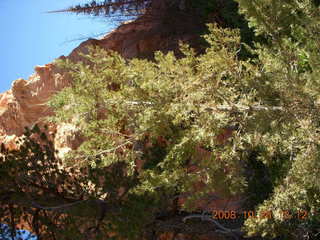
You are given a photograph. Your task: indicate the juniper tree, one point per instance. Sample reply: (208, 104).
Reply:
(185, 102)
(125, 177)
(270, 101)
(153, 116)
(291, 71)
(144, 121)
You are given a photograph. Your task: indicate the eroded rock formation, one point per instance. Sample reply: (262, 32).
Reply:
(25, 103)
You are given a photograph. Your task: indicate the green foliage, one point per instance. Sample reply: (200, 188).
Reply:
(226, 14)
(118, 104)
(166, 99)
(242, 126)
(291, 67)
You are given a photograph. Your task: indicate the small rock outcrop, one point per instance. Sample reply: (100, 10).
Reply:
(25, 103)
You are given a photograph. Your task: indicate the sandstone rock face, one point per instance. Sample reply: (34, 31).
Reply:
(25, 104)
(66, 138)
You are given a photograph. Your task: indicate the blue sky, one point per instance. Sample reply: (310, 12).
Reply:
(32, 37)
(21, 234)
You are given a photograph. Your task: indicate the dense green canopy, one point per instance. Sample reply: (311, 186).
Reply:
(143, 122)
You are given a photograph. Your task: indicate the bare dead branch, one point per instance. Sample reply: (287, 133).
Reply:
(63, 206)
(235, 233)
(226, 108)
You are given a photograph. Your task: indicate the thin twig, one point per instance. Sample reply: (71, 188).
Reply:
(63, 206)
(113, 149)
(233, 232)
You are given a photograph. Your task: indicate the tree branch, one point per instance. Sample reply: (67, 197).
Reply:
(243, 108)
(113, 149)
(63, 206)
(227, 108)
(235, 233)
